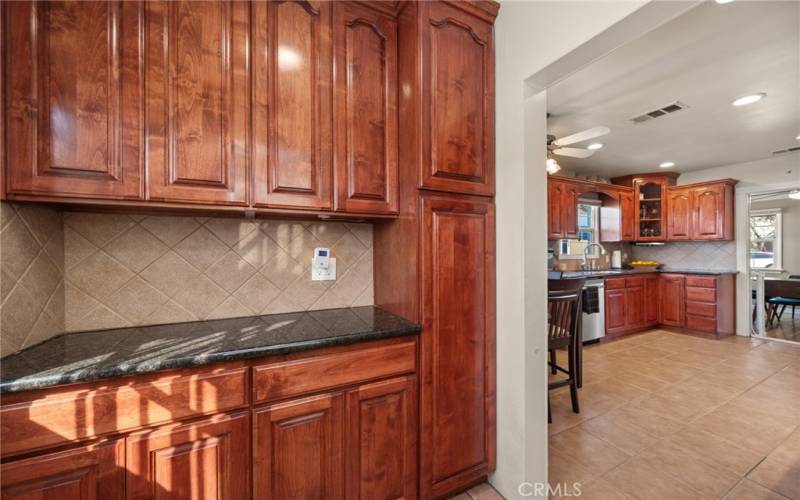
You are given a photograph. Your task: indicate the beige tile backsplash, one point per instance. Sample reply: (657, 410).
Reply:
(690, 254)
(126, 270)
(31, 275)
(76, 271)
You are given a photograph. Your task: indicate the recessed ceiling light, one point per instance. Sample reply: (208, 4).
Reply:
(795, 195)
(798, 138)
(749, 99)
(595, 145)
(667, 164)
(723, 1)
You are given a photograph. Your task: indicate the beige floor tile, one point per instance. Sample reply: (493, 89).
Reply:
(726, 453)
(484, 492)
(780, 471)
(628, 437)
(642, 481)
(668, 408)
(747, 426)
(652, 423)
(711, 480)
(589, 452)
(564, 470)
(641, 380)
(597, 489)
(748, 490)
(701, 360)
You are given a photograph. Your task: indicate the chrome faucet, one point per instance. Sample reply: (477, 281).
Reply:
(586, 253)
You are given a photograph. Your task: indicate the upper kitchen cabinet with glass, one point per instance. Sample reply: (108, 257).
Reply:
(649, 210)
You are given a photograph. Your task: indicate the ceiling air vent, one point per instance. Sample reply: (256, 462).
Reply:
(659, 112)
(787, 150)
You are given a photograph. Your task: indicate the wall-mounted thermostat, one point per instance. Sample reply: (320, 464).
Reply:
(323, 266)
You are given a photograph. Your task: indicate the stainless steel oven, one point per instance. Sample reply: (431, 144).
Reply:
(594, 325)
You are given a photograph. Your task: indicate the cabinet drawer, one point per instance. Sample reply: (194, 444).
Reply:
(614, 283)
(68, 415)
(701, 309)
(306, 375)
(701, 281)
(701, 324)
(634, 282)
(696, 294)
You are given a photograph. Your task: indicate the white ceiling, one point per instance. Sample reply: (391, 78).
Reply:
(705, 58)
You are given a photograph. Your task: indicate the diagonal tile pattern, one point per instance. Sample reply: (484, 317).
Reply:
(668, 416)
(31, 275)
(126, 270)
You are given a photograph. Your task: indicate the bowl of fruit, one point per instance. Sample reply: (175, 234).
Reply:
(645, 265)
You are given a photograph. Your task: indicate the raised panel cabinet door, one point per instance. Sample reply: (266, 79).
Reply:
(197, 101)
(457, 353)
(651, 299)
(615, 310)
(94, 472)
(709, 212)
(73, 99)
(679, 214)
(365, 139)
(297, 449)
(555, 195)
(203, 460)
(292, 104)
(634, 307)
(569, 210)
(672, 308)
(457, 101)
(381, 440)
(628, 216)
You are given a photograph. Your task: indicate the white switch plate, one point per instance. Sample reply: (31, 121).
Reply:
(318, 274)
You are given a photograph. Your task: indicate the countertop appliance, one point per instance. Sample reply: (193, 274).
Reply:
(616, 259)
(594, 325)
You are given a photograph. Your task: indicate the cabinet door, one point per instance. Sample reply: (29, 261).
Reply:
(292, 104)
(73, 99)
(297, 449)
(198, 460)
(628, 216)
(365, 145)
(679, 214)
(634, 307)
(569, 211)
(555, 194)
(672, 306)
(381, 449)
(458, 100)
(651, 299)
(95, 472)
(615, 310)
(457, 354)
(709, 211)
(196, 98)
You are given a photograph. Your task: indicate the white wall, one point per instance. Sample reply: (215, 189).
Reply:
(528, 37)
(763, 175)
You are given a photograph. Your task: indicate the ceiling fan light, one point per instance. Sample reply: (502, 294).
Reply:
(552, 166)
(595, 145)
(795, 195)
(666, 164)
(723, 1)
(749, 99)
(797, 138)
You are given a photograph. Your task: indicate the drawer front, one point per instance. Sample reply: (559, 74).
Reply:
(614, 283)
(77, 414)
(701, 281)
(701, 309)
(696, 294)
(302, 376)
(701, 324)
(634, 282)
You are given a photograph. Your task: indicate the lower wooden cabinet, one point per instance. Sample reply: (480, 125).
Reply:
(95, 472)
(208, 459)
(297, 448)
(672, 308)
(630, 303)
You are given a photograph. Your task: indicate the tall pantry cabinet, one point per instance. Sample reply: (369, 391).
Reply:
(438, 258)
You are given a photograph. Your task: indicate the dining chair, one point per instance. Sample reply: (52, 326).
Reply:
(564, 309)
(783, 303)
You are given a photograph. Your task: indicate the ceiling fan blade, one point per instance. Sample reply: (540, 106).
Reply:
(573, 152)
(582, 136)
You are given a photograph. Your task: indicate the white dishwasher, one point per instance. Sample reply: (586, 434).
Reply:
(594, 325)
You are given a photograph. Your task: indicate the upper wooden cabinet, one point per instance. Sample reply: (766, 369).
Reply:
(292, 104)
(73, 104)
(365, 138)
(701, 211)
(562, 209)
(627, 207)
(647, 214)
(196, 101)
(457, 97)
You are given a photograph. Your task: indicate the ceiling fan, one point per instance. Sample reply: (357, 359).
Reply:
(556, 146)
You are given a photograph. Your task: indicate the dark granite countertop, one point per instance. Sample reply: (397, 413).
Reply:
(622, 272)
(87, 356)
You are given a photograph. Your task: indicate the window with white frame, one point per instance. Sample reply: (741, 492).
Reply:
(765, 239)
